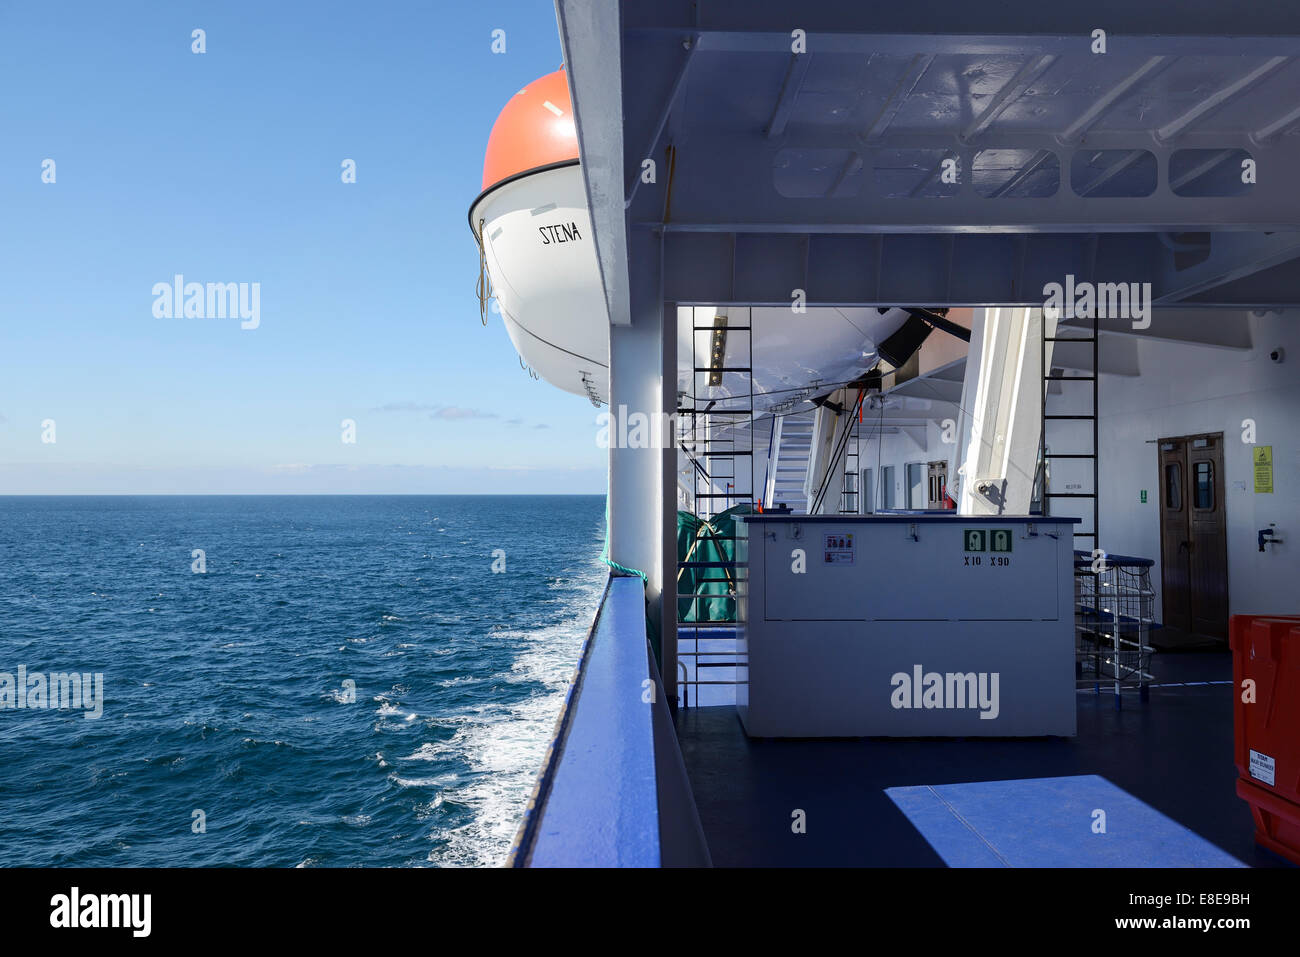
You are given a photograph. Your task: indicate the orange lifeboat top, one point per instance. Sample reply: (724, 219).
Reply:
(534, 129)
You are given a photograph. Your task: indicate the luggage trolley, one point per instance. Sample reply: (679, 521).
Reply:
(1114, 613)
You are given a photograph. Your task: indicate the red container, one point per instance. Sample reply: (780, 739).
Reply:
(1266, 651)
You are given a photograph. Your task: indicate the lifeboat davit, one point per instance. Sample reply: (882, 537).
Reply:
(534, 230)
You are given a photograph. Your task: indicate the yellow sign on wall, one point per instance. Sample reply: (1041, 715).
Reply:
(1263, 468)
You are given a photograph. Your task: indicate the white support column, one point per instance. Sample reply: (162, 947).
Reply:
(1000, 417)
(643, 481)
(634, 473)
(773, 461)
(667, 598)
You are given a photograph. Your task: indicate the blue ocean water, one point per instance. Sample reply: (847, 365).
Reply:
(227, 692)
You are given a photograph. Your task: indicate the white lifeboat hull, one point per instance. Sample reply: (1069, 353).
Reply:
(541, 258)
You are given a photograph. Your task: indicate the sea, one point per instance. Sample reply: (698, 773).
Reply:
(287, 681)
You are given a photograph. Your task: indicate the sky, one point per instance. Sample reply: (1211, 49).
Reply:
(226, 167)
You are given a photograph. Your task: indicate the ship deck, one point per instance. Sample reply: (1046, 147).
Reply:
(1173, 753)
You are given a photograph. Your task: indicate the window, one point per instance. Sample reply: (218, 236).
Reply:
(868, 493)
(887, 487)
(1204, 472)
(1173, 488)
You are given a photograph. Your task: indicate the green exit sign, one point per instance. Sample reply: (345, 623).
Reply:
(1142, 496)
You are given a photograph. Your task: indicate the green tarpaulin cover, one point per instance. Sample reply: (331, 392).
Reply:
(707, 594)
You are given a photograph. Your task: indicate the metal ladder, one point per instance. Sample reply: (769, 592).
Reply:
(721, 449)
(1045, 453)
(721, 426)
(849, 501)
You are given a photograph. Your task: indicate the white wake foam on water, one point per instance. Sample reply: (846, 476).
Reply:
(388, 709)
(504, 745)
(430, 751)
(437, 781)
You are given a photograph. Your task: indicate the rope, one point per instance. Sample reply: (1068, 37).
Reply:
(604, 553)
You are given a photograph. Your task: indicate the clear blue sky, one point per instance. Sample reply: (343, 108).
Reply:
(225, 167)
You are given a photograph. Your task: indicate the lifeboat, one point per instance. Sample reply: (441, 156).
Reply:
(538, 269)
(538, 259)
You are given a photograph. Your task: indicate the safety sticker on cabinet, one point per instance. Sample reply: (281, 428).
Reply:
(839, 549)
(986, 540)
(1262, 767)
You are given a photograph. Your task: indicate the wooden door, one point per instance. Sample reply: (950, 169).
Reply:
(1193, 536)
(1175, 562)
(1208, 527)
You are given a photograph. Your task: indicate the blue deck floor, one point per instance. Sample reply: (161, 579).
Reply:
(1172, 754)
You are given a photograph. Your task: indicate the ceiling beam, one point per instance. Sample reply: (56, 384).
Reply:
(1031, 70)
(793, 83)
(1200, 169)
(876, 38)
(1219, 97)
(1034, 165)
(1125, 162)
(1149, 68)
(902, 90)
(746, 162)
(1271, 129)
(936, 269)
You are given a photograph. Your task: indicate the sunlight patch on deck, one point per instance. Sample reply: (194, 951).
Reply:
(1050, 822)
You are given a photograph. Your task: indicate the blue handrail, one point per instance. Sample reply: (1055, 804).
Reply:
(596, 802)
